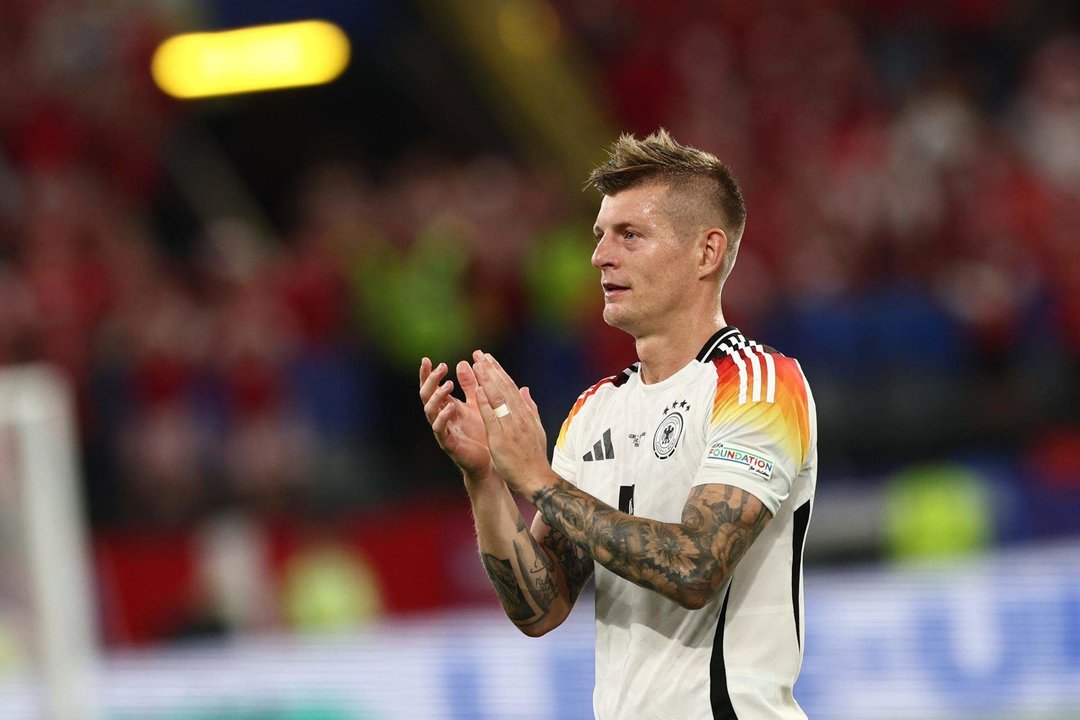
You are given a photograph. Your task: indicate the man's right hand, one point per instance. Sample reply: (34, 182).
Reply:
(528, 577)
(457, 425)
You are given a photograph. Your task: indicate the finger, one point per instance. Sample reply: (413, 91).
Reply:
(486, 382)
(426, 373)
(498, 369)
(501, 374)
(427, 387)
(442, 420)
(437, 400)
(493, 361)
(498, 378)
(425, 368)
(486, 411)
(526, 394)
(467, 380)
(492, 422)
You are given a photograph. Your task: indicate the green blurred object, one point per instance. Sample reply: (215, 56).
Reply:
(937, 511)
(563, 285)
(329, 588)
(415, 303)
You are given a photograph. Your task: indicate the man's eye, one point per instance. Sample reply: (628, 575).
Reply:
(630, 235)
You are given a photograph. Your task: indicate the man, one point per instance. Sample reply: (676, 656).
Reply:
(685, 482)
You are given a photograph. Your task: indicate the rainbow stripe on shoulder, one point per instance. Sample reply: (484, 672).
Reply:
(766, 389)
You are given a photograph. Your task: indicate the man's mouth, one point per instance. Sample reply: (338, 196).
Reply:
(612, 290)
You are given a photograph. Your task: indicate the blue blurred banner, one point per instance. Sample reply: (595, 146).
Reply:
(995, 638)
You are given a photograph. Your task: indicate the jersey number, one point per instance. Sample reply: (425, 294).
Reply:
(626, 499)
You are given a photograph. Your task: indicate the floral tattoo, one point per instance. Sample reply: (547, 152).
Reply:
(687, 562)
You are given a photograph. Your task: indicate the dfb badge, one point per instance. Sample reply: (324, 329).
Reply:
(667, 435)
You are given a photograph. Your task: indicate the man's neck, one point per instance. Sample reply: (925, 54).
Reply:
(663, 355)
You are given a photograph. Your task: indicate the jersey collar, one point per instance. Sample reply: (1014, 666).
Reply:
(727, 335)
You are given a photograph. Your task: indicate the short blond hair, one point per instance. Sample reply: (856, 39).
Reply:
(659, 158)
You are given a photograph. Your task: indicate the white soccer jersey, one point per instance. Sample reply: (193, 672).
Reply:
(739, 414)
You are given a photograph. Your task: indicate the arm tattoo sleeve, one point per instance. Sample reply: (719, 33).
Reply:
(524, 583)
(576, 564)
(507, 588)
(686, 562)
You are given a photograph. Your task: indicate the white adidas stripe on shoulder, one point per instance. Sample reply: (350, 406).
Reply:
(770, 376)
(734, 355)
(757, 378)
(755, 366)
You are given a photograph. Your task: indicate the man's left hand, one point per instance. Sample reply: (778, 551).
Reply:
(515, 434)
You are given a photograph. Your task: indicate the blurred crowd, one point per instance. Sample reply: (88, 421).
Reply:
(911, 239)
(912, 173)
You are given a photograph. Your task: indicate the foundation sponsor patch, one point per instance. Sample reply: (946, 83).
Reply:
(726, 455)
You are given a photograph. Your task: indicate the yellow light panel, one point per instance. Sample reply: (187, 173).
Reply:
(265, 57)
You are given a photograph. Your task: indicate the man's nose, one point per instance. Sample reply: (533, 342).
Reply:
(602, 255)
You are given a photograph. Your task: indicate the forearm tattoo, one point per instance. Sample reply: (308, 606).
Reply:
(527, 592)
(687, 562)
(508, 589)
(576, 564)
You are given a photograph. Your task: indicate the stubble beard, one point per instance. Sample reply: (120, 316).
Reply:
(620, 318)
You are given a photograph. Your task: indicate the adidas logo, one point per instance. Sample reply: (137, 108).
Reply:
(602, 450)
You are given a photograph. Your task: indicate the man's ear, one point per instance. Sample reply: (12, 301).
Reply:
(712, 252)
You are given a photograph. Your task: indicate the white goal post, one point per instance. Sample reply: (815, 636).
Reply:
(44, 543)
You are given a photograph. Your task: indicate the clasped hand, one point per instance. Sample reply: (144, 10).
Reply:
(497, 426)
(515, 434)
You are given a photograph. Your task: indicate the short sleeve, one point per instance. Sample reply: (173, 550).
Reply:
(565, 458)
(758, 433)
(562, 458)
